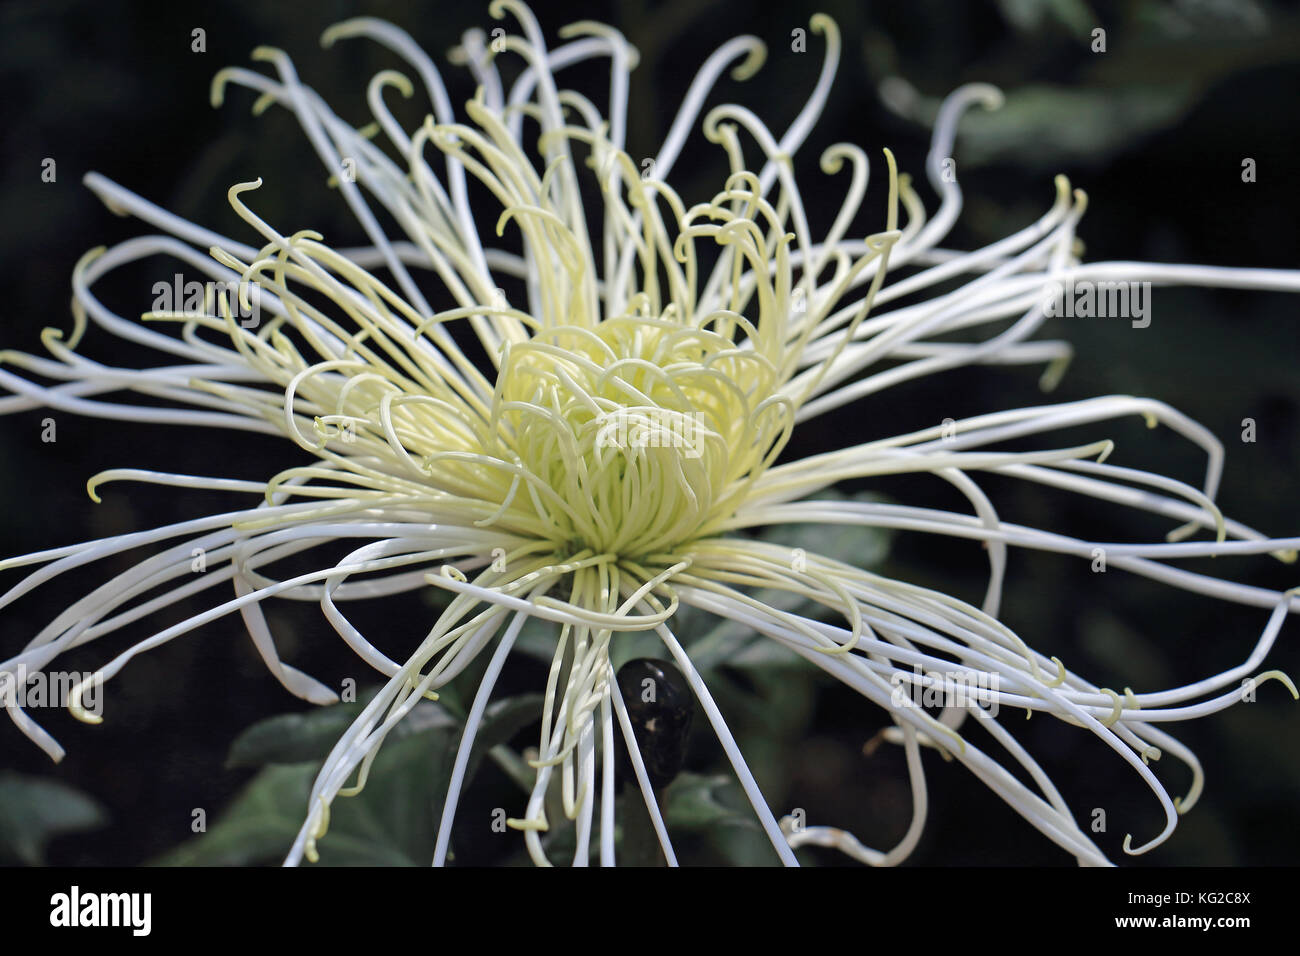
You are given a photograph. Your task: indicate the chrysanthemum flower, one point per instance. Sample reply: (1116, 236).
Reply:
(588, 451)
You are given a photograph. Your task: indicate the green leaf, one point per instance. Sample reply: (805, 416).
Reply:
(258, 827)
(297, 738)
(537, 638)
(392, 822)
(501, 721)
(34, 811)
(292, 738)
(691, 803)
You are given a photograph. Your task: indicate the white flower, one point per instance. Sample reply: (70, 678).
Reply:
(629, 418)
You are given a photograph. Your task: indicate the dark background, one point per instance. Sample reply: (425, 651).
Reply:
(1155, 129)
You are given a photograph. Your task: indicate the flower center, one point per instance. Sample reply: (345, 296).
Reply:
(640, 432)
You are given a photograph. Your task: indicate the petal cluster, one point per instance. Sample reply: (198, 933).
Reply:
(589, 431)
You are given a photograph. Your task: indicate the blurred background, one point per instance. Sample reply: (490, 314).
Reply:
(1155, 129)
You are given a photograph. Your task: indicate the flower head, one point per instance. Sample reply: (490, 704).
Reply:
(590, 448)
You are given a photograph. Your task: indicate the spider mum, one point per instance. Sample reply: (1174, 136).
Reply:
(591, 451)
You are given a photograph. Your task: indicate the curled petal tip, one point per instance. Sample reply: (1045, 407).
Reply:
(752, 63)
(75, 705)
(1278, 676)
